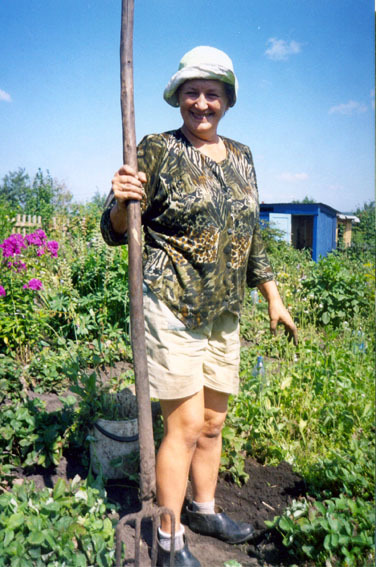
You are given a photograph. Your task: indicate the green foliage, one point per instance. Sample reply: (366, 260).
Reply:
(350, 472)
(306, 201)
(42, 196)
(337, 290)
(31, 436)
(15, 188)
(280, 253)
(364, 233)
(78, 300)
(338, 528)
(7, 219)
(97, 400)
(100, 276)
(22, 316)
(313, 408)
(66, 525)
(10, 372)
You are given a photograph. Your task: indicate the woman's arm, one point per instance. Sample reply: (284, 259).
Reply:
(277, 311)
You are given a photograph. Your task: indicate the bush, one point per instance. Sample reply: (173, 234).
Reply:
(26, 270)
(338, 290)
(31, 436)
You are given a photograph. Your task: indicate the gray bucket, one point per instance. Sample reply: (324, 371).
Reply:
(114, 442)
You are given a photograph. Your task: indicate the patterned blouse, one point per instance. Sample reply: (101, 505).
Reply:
(201, 227)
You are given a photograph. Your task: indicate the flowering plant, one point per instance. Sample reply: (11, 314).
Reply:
(25, 272)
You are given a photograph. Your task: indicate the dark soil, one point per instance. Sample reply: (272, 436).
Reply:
(267, 493)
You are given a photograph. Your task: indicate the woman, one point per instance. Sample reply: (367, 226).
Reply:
(200, 213)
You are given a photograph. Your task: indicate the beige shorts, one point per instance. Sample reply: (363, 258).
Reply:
(182, 361)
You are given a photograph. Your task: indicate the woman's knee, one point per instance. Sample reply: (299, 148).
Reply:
(184, 421)
(186, 434)
(213, 426)
(215, 413)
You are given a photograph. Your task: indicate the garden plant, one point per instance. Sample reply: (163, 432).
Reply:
(64, 317)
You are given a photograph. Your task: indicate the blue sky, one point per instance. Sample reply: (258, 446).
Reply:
(306, 95)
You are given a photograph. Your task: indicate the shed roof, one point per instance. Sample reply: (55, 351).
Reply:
(302, 206)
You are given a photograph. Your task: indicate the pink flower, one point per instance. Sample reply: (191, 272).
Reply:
(17, 265)
(41, 250)
(53, 247)
(34, 284)
(12, 245)
(2, 291)
(37, 238)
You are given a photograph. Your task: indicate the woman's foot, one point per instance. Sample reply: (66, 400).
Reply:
(183, 557)
(219, 525)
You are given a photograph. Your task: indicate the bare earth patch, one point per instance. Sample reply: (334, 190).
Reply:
(267, 493)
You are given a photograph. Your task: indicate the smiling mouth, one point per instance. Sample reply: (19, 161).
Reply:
(200, 116)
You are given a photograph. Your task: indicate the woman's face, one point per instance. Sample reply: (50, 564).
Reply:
(202, 102)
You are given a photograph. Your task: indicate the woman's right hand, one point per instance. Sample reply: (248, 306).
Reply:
(127, 185)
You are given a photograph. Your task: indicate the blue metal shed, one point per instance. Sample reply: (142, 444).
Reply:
(311, 225)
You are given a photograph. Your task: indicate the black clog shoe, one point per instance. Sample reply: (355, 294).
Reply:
(219, 525)
(183, 558)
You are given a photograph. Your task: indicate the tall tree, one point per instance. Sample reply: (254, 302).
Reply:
(15, 189)
(43, 196)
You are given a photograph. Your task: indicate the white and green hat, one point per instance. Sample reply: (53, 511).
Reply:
(202, 62)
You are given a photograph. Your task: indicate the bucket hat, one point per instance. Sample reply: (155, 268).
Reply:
(202, 62)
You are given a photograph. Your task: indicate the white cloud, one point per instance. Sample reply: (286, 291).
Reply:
(351, 107)
(292, 177)
(5, 96)
(280, 50)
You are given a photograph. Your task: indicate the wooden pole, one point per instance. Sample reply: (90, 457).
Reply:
(145, 423)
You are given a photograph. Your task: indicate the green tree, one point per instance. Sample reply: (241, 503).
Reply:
(43, 196)
(40, 198)
(62, 199)
(15, 189)
(364, 233)
(98, 200)
(306, 201)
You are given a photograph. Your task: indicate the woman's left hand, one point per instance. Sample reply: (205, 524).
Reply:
(277, 311)
(279, 314)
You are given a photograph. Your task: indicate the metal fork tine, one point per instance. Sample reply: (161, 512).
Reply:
(148, 512)
(137, 542)
(154, 542)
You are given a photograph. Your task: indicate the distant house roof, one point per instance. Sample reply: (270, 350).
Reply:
(301, 206)
(344, 216)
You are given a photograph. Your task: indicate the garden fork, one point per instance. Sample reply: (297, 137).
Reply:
(145, 424)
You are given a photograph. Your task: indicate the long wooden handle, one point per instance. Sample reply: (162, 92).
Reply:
(145, 423)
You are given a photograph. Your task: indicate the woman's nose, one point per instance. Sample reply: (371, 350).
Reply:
(201, 102)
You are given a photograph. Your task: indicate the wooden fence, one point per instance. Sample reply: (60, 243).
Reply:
(24, 223)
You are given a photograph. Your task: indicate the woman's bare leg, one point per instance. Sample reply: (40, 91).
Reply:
(183, 421)
(207, 454)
